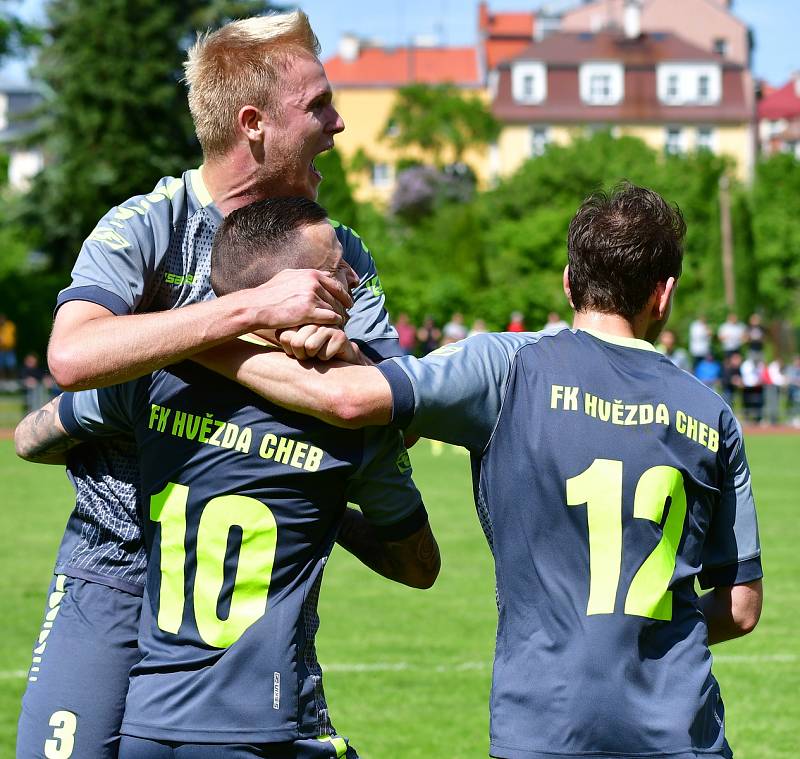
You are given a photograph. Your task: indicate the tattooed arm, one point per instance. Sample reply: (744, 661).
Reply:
(412, 561)
(40, 437)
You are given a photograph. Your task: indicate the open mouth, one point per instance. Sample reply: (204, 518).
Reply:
(314, 170)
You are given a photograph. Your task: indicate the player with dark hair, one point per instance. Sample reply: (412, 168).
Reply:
(607, 482)
(140, 299)
(244, 502)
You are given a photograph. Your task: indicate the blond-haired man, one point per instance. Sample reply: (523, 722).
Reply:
(140, 299)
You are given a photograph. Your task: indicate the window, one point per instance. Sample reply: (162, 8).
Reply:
(673, 144)
(602, 83)
(689, 83)
(721, 46)
(528, 86)
(599, 88)
(539, 140)
(673, 87)
(381, 175)
(529, 82)
(392, 130)
(705, 138)
(703, 87)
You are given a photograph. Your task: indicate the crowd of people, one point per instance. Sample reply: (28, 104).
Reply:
(731, 359)
(28, 375)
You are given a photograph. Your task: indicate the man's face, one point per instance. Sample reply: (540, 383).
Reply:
(303, 126)
(325, 253)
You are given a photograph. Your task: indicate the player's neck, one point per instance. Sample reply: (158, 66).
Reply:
(232, 181)
(610, 324)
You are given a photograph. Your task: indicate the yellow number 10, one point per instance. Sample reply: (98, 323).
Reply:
(253, 572)
(600, 488)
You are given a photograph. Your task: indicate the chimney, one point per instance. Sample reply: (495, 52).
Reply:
(632, 19)
(483, 17)
(349, 47)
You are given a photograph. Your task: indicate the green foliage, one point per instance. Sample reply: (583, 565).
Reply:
(15, 35)
(776, 235)
(439, 120)
(506, 249)
(115, 119)
(335, 192)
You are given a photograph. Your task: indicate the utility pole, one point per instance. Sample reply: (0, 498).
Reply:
(726, 235)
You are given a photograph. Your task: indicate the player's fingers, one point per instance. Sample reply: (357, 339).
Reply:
(300, 339)
(334, 292)
(334, 345)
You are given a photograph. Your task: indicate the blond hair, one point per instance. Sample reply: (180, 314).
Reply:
(239, 65)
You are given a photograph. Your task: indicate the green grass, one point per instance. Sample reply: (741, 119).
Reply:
(408, 672)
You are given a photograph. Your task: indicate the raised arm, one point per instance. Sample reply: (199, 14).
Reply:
(412, 561)
(340, 394)
(40, 437)
(92, 347)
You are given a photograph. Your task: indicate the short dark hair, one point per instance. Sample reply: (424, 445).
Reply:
(620, 247)
(257, 241)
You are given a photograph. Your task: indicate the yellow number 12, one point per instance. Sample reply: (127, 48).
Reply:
(600, 488)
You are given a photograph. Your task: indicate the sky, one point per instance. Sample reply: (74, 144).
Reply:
(454, 22)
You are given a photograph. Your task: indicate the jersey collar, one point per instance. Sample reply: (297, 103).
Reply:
(625, 342)
(199, 187)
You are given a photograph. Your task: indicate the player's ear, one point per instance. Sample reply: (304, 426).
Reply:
(250, 121)
(565, 282)
(663, 300)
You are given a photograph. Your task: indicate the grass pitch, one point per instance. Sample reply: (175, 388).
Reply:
(408, 672)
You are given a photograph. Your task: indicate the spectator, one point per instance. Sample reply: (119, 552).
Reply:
(677, 355)
(699, 340)
(428, 336)
(755, 337)
(732, 335)
(752, 389)
(554, 324)
(407, 334)
(455, 329)
(36, 381)
(792, 375)
(478, 328)
(8, 347)
(517, 323)
(732, 378)
(773, 381)
(709, 371)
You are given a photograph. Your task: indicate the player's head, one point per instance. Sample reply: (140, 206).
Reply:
(257, 85)
(257, 241)
(624, 248)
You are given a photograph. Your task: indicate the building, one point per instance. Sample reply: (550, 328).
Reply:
(779, 118)
(707, 24)
(365, 79)
(675, 73)
(670, 93)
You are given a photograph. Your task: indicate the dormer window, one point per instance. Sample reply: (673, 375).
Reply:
(529, 82)
(602, 83)
(721, 46)
(689, 83)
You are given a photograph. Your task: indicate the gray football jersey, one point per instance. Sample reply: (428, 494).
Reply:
(153, 253)
(607, 481)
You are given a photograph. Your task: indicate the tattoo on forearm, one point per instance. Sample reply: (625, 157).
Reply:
(428, 550)
(38, 438)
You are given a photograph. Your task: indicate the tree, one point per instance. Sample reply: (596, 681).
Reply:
(15, 35)
(115, 118)
(335, 193)
(776, 235)
(440, 120)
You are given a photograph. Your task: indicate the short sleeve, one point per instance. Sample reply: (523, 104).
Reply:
(122, 252)
(732, 550)
(382, 487)
(369, 323)
(454, 394)
(103, 412)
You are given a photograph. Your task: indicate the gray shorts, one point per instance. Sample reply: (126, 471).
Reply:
(327, 747)
(78, 680)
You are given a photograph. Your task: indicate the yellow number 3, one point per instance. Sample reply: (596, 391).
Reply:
(63, 741)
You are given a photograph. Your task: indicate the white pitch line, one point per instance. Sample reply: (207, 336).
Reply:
(477, 666)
